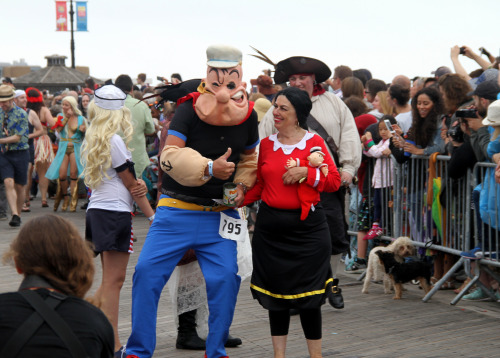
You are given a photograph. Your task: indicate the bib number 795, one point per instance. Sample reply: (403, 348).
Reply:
(231, 228)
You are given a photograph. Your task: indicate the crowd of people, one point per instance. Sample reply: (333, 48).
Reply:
(290, 148)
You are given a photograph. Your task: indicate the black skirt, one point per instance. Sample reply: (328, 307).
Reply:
(291, 259)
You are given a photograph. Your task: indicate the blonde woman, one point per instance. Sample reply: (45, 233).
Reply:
(381, 103)
(109, 172)
(71, 127)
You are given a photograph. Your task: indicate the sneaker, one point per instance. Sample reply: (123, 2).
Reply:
(120, 353)
(356, 266)
(477, 295)
(474, 254)
(3, 217)
(15, 221)
(375, 232)
(488, 255)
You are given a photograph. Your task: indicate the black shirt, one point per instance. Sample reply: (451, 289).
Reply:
(88, 323)
(211, 142)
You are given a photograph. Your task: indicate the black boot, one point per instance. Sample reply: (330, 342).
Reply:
(187, 337)
(335, 295)
(232, 342)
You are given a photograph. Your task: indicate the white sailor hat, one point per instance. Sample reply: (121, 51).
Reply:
(317, 150)
(223, 56)
(109, 97)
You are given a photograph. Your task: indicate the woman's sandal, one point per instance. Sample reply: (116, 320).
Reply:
(45, 204)
(466, 282)
(26, 207)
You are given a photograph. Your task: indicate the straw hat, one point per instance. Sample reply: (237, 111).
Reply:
(261, 106)
(6, 93)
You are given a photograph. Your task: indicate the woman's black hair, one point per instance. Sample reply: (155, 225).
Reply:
(423, 130)
(300, 101)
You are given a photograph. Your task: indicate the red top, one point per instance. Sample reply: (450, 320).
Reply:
(271, 167)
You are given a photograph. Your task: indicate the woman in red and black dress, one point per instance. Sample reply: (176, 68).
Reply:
(291, 257)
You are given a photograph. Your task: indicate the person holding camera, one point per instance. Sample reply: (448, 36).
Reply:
(484, 94)
(466, 51)
(424, 138)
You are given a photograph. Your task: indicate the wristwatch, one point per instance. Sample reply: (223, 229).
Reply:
(243, 186)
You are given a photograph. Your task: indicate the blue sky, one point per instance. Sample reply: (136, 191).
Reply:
(161, 37)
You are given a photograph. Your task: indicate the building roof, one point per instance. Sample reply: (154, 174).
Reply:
(55, 75)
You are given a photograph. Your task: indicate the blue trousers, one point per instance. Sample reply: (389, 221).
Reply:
(172, 233)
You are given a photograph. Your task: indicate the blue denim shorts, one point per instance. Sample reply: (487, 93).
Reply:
(14, 164)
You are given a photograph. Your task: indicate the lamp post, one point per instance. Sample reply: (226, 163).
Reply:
(71, 14)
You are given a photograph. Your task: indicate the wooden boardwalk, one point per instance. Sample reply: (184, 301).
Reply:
(370, 325)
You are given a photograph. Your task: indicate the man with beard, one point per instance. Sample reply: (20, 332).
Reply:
(338, 123)
(211, 141)
(484, 94)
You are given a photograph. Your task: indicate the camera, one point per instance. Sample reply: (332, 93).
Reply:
(484, 51)
(466, 113)
(462, 50)
(456, 133)
(389, 126)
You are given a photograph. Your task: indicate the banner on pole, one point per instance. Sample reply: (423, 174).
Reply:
(81, 16)
(61, 16)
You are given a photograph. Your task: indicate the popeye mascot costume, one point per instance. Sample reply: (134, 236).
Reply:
(212, 140)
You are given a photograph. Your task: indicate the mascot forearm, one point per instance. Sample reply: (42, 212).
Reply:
(246, 170)
(188, 167)
(185, 165)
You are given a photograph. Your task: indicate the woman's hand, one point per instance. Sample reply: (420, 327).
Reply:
(411, 148)
(240, 196)
(496, 158)
(398, 141)
(82, 128)
(497, 173)
(397, 129)
(293, 175)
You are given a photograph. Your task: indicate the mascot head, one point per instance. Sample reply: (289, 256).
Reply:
(223, 100)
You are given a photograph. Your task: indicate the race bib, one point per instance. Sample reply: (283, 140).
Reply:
(231, 228)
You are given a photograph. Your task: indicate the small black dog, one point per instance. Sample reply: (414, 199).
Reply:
(404, 272)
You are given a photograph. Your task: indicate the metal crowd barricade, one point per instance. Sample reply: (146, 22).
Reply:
(486, 227)
(437, 213)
